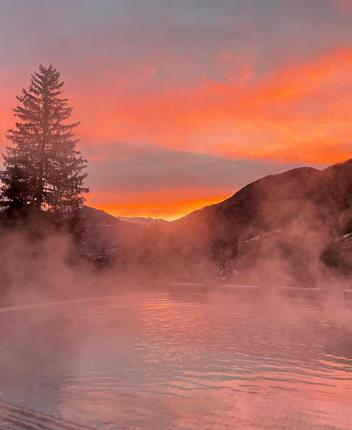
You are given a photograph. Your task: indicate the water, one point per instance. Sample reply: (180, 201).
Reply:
(181, 360)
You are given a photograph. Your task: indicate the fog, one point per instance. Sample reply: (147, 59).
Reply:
(50, 264)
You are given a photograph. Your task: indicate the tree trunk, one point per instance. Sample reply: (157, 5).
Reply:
(43, 145)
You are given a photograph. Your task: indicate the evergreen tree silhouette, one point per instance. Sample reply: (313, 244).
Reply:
(44, 171)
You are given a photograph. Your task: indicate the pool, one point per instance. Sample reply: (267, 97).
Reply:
(181, 360)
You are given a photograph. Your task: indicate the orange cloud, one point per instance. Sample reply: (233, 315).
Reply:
(299, 113)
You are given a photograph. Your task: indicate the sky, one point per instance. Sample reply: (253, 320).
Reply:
(181, 103)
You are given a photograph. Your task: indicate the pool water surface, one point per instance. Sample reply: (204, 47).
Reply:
(181, 360)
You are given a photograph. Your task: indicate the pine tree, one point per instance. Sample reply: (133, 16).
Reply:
(43, 169)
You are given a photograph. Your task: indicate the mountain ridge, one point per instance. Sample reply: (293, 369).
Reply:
(292, 218)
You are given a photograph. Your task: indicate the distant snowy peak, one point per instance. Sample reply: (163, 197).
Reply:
(142, 221)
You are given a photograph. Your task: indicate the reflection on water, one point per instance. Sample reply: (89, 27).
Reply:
(182, 361)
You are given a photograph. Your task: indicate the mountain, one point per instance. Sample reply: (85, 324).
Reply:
(105, 232)
(286, 223)
(277, 200)
(288, 227)
(117, 240)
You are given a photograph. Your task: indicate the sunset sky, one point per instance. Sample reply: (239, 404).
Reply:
(182, 102)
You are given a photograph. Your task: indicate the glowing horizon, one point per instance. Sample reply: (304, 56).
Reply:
(161, 207)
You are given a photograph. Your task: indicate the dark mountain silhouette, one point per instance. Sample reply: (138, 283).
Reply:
(277, 200)
(125, 244)
(290, 226)
(104, 231)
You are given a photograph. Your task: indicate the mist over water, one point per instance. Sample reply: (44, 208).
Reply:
(181, 359)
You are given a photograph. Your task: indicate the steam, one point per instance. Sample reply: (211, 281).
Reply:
(46, 268)
(52, 267)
